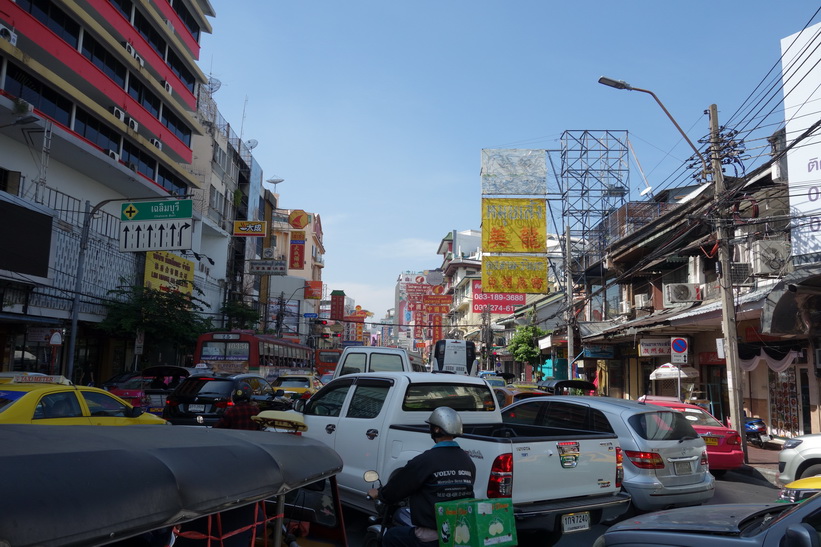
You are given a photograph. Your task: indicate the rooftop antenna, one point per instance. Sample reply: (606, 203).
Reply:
(648, 189)
(212, 85)
(250, 144)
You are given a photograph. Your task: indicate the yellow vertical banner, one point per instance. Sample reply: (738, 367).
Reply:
(514, 274)
(514, 225)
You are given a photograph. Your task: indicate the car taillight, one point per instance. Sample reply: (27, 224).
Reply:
(169, 402)
(704, 461)
(645, 460)
(733, 438)
(500, 483)
(619, 467)
(223, 404)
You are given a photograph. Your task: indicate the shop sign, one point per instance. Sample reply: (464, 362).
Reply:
(650, 347)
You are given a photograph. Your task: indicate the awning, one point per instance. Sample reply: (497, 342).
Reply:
(669, 371)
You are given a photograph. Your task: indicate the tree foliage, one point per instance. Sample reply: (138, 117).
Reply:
(240, 315)
(164, 316)
(524, 345)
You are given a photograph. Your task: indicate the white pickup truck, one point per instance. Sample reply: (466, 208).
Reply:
(559, 480)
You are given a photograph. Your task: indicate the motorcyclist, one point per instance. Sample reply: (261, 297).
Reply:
(442, 473)
(238, 416)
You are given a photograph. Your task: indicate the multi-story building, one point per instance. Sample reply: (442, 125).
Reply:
(96, 106)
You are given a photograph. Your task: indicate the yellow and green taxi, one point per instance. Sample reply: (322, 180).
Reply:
(53, 400)
(297, 384)
(800, 489)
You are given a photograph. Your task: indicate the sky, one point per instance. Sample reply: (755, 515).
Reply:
(375, 113)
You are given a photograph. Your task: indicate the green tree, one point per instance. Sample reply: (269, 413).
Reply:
(167, 318)
(524, 345)
(240, 315)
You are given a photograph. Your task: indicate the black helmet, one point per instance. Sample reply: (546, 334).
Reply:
(242, 393)
(446, 419)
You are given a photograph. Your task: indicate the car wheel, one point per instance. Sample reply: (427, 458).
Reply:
(600, 542)
(811, 471)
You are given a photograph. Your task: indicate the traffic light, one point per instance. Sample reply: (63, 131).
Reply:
(325, 335)
(320, 322)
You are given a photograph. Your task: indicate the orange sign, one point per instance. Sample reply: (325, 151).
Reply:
(253, 228)
(313, 290)
(298, 219)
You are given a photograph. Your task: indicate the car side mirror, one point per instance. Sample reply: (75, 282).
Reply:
(802, 535)
(299, 405)
(279, 393)
(136, 412)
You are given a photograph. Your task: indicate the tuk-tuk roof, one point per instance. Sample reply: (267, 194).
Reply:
(93, 485)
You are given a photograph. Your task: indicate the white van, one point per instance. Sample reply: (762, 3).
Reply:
(377, 359)
(456, 356)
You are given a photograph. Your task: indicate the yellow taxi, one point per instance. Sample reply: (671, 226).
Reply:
(53, 400)
(800, 490)
(297, 385)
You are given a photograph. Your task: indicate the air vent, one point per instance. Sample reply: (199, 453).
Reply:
(113, 155)
(119, 114)
(769, 256)
(157, 143)
(132, 124)
(7, 34)
(130, 49)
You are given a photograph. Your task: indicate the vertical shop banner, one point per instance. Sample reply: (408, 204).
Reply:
(515, 274)
(168, 272)
(296, 260)
(514, 225)
(313, 290)
(437, 321)
(337, 305)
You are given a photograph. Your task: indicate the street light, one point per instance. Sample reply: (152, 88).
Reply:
(621, 84)
(728, 321)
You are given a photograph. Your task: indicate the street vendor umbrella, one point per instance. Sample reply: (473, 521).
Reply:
(669, 371)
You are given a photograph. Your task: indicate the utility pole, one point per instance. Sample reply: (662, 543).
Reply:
(487, 338)
(728, 323)
(568, 270)
(280, 313)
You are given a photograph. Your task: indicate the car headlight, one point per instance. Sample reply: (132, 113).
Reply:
(787, 495)
(792, 443)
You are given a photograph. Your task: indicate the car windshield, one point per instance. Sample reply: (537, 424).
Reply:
(664, 425)
(292, 382)
(456, 396)
(696, 416)
(214, 387)
(135, 383)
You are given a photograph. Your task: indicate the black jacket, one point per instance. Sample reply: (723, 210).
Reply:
(443, 473)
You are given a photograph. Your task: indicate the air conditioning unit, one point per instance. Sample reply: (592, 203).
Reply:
(642, 300)
(131, 165)
(113, 155)
(769, 257)
(140, 60)
(119, 114)
(676, 293)
(7, 34)
(130, 49)
(624, 307)
(132, 124)
(167, 87)
(157, 143)
(170, 25)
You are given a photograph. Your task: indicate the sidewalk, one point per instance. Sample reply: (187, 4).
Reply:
(762, 463)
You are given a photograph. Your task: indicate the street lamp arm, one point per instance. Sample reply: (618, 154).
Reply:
(621, 84)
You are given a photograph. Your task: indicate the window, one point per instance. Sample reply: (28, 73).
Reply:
(188, 20)
(144, 96)
(662, 426)
(328, 402)
(104, 59)
(22, 84)
(96, 131)
(54, 18)
(125, 7)
(428, 397)
(176, 125)
(170, 181)
(100, 404)
(386, 362)
(138, 159)
(58, 405)
(178, 67)
(523, 414)
(368, 398)
(566, 416)
(354, 362)
(147, 30)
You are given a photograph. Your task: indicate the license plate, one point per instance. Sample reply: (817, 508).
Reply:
(576, 522)
(196, 408)
(710, 441)
(765, 438)
(683, 468)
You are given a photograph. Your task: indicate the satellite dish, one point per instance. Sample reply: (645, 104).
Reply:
(212, 85)
(251, 143)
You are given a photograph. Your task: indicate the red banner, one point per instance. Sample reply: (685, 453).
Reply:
(337, 305)
(296, 259)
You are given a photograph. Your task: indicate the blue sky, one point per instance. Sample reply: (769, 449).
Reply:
(375, 112)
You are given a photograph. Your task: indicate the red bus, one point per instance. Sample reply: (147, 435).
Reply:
(238, 351)
(325, 360)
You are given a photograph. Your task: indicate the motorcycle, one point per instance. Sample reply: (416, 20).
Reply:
(387, 515)
(755, 430)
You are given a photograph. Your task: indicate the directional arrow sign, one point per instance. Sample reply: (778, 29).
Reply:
(155, 235)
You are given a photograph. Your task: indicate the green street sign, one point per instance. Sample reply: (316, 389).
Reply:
(157, 210)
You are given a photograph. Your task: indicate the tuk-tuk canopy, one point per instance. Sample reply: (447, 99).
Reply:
(93, 485)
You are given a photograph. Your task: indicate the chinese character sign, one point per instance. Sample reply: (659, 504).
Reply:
(515, 274)
(503, 303)
(514, 225)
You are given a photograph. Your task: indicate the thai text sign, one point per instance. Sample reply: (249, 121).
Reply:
(157, 210)
(168, 272)
(515, 274)
(503, 303)
(514, 225)
(649, 347)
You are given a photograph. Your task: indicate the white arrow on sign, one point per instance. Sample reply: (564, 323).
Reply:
(155, 235)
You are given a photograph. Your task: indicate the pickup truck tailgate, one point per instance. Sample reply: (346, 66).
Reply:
(573, 467)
